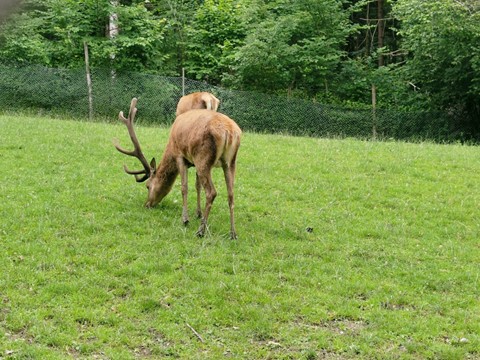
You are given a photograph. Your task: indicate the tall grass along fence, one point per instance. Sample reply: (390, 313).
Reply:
(65, 92)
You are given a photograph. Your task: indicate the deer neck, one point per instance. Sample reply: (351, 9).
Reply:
(166, 173)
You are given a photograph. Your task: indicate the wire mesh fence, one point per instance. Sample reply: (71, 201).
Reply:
(65, 92)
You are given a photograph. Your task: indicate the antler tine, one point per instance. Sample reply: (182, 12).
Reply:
(133, 109)
(137, 151)
(137, 172)
(131, 113)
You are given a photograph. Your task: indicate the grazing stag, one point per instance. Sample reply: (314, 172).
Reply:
(197, 100)
(201, 138)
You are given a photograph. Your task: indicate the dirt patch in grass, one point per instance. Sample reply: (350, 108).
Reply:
(337, 326)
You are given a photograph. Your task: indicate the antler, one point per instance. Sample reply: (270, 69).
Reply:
(136, 152)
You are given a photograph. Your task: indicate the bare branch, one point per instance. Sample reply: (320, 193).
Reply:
(199, 337)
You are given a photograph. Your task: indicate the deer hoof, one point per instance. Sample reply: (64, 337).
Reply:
(201, 231)
(185, 222)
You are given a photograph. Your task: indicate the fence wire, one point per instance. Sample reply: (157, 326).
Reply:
(65, 92)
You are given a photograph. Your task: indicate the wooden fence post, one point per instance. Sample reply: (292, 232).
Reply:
(183, 81)
(374, 112)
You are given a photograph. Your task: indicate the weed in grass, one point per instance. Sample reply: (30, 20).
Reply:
(347, 249)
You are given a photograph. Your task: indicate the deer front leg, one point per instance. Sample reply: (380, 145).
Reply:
(184, 176)
(210, 194)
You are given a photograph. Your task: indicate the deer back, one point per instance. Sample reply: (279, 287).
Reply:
(204, 137)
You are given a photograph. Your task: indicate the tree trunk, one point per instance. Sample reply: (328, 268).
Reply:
(113, 21)
(380, 30)
(112, 30)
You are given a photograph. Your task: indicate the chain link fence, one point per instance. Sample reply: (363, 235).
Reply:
(65, 92)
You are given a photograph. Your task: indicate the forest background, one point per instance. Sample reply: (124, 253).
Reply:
(414, 54)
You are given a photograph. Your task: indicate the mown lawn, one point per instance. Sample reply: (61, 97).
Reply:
(347, 250)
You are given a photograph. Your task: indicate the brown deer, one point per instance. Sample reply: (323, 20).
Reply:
(201, 138)
(197, 100)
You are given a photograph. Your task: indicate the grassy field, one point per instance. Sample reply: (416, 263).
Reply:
(347, 250)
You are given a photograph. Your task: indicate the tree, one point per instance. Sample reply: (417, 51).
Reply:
(52, 33)
(138, 42)
(178, 15)
(212, 39)
(295, 46)
(443, 61)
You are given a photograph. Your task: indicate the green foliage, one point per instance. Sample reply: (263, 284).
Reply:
(370, 254)
(419, 54)
(58, 30)
(137, 46)
(212, 38)
(442, 39)
(296, 46)
(21, 43)
(52, 33)
(177, 16)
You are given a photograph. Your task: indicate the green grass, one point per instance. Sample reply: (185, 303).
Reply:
(388, 269)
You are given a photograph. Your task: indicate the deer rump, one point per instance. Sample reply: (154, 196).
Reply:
(205, 138)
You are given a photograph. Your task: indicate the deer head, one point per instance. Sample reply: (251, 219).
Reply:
(149, 169)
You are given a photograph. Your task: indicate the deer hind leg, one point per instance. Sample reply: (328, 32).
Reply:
(210, 194)
(184, 176)
(198, 186)
(229, 172)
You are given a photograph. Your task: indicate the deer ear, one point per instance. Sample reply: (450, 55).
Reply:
(153, 164)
